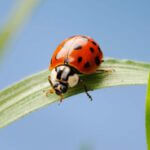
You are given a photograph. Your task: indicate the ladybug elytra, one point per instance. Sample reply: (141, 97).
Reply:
(75, 55)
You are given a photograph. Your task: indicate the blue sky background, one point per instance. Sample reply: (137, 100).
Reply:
(115, 118)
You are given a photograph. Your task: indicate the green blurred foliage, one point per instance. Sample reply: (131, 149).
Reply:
(21, 12)
(148, 115)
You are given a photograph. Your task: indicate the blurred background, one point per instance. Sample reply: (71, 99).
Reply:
(115, 119)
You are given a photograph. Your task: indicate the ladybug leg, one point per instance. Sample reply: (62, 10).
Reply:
(51, 90)
(49, 79)
(86, 90)
(105, 70)
(61, 98)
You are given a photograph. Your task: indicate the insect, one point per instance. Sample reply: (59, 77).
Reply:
(73, 56)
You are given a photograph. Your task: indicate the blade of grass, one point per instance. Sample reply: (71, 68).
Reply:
(17, 19)
(148, 114)
(27, 95)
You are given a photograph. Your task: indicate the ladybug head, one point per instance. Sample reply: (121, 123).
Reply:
(63, 77)
(60, 88)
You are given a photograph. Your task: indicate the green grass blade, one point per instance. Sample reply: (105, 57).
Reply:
(27, 95)
(148, 114)
(17, 19)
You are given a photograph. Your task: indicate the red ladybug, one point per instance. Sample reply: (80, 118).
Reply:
(75, 55)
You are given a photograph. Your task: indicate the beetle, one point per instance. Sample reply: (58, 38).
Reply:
(74, 56)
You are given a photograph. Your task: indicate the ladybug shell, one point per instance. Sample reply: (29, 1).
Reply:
(79, 52)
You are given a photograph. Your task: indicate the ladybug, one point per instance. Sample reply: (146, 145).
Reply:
(73, 56)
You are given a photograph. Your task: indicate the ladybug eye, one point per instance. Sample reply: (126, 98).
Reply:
(60, 88)
(58, 92)
(64, 88)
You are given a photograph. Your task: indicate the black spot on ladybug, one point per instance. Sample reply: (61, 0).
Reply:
(92, 49)
(99, 49)
(97, 61)
(94, 42)
(79, 59)
(87, 65)
(51, 61)
(78, 47)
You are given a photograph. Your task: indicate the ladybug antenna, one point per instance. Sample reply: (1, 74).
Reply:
(49, 79)
(86, 90)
